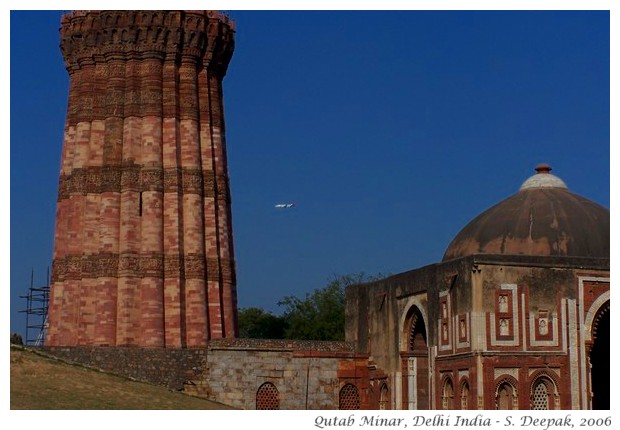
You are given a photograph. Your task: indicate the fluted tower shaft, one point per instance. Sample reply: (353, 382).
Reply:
(143, 252)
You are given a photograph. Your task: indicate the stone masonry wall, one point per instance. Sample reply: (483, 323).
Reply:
(305, 373)
(160, 366)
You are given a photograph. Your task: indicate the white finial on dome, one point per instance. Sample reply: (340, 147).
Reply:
(543, 179)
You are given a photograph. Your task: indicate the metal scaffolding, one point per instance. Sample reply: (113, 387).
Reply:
(37, 303)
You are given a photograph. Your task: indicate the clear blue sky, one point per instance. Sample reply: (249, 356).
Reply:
(389, 130)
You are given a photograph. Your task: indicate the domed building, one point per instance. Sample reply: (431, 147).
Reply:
(515, 316)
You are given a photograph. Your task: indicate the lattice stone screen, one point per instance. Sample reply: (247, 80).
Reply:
(267, 397)
(540, 400)
(349, 397)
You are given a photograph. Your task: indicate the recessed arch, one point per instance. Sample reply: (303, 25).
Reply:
(416, 335)
(544, 391)
(412, 303)
(593, 312)
(384, 397)
(506, 396)
(415, 357)
(447, 393)
(464, 393)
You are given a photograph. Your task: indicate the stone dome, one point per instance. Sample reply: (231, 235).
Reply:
(543, 218)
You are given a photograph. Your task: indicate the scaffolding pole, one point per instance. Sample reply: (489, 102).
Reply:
(37, 303)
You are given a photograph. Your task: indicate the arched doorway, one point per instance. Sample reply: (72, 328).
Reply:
(415, 362)
(599, 359)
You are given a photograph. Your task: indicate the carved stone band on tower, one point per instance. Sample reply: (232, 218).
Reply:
(143, 252)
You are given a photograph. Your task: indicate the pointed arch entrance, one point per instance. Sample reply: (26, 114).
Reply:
(599, 359)
(415, 361)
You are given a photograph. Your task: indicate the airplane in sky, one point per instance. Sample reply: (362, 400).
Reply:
(285, 205)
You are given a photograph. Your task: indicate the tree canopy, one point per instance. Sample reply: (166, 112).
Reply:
(317, 316)
(255, 323)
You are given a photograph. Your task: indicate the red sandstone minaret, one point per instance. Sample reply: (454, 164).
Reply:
(143, 246)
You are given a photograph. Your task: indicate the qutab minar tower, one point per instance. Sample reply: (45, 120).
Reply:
(143, 251)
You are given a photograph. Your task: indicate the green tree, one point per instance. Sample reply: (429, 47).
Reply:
(255, 323)
(320, 315)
